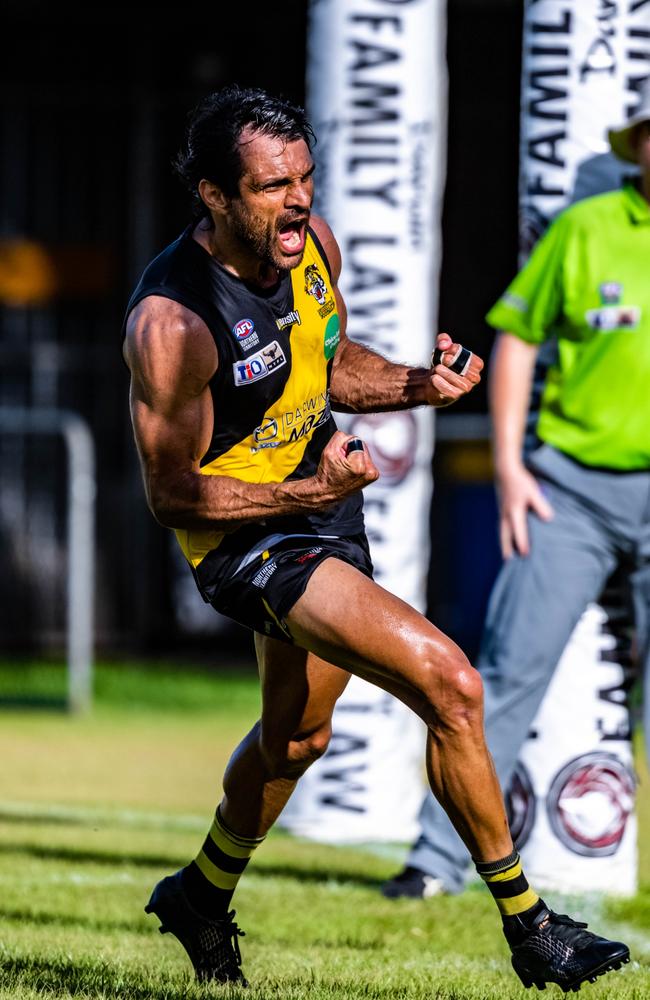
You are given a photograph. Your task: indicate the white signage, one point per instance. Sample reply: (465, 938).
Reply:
(572, 801)
(377, 90)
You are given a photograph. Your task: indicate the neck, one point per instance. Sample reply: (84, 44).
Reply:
(231, 254)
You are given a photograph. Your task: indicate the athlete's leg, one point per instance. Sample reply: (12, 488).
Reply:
(347, 619)
(534, 607)
(299, 692)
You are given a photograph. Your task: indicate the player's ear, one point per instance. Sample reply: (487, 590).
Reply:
(213, 197)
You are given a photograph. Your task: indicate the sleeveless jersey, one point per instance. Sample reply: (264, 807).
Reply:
(270, 392)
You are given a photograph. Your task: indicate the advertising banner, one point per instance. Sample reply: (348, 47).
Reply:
(572, 798)
(377, 91)
(583, 65)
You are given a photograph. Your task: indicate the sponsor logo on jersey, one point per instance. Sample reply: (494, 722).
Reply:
(266, 435)
(244, 331)
(610, 318)
(316, 287)
(264, 574)
(611, 293)
(304, 419)
(612, 315)
(292, 425)
(311, 554)
(288, 320)
(259, 365)
(332, 336)
(309, 424)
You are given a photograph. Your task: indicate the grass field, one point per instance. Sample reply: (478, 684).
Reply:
(93, 811)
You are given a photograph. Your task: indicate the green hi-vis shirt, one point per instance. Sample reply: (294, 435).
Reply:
(587, 283)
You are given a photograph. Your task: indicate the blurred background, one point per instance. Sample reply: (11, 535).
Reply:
(93, 110)
(94, 806)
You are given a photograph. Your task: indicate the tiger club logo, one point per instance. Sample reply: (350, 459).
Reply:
(316, 287)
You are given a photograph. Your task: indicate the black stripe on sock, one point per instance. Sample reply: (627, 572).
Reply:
(508, 889)
(207, 899)
(234, 866)
(494, 867)
(251, 842)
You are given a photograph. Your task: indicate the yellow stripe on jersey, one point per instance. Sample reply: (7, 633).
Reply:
(296, 412)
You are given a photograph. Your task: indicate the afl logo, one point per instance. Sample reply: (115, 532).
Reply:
(243, 329)
(589, 803)
(520, 805)
(391, 438)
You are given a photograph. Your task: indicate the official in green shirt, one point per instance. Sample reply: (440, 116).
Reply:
(579, 507)
(587, 284)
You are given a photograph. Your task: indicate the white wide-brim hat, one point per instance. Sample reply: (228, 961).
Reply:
(619, 138)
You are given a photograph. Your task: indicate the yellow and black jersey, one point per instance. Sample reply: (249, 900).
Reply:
(270, 392)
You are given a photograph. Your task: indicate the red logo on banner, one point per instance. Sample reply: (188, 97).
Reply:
(589, 803)
(391, 438)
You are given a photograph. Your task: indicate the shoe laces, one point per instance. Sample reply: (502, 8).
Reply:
(215, 941)
(570, 931)
(234, 933)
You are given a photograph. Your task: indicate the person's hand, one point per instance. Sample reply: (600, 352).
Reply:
(519, 492)
(446, 386)
(339, 474)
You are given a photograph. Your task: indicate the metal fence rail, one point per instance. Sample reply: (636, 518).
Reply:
(81, 491)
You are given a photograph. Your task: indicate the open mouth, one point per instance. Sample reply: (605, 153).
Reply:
(292, 237)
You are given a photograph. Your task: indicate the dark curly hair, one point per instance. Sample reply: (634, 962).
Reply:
(211, 149)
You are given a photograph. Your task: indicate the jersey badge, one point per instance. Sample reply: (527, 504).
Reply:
(288, 320)
(316, 287)
(266, 435)
(612, 315)
(245, 333)
(611, 293)
(259, 365)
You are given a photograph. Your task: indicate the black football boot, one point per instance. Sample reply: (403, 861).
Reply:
(212, 945)
(553, 948)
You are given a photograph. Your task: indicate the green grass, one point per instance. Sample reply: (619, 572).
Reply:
(94, 810)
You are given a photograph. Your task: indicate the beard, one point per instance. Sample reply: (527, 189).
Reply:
(260, 237)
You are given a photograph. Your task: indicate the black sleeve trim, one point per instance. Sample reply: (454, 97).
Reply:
(319, 247)
(167, 293)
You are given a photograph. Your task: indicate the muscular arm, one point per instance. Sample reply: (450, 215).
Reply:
(511, 377)
(172, 358)
(365, 382)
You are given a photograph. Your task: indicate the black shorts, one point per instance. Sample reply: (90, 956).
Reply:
(256, 577)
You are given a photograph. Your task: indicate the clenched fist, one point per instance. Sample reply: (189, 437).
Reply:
(340, 474)
(446, 386)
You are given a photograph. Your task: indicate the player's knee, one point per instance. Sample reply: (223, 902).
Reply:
(308, 749)
(293, 758)
(455, 692)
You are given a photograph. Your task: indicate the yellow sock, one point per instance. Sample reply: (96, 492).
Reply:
(211, 879)
(506, 881)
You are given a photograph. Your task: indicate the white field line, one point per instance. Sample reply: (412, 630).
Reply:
(54, 813)
(72, 878)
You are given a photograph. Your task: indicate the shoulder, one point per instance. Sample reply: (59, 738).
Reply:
(328, 242)
(582, 214)
(161, 332)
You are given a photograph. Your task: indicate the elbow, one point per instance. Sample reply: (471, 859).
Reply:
(165, 512)
(166, 502)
